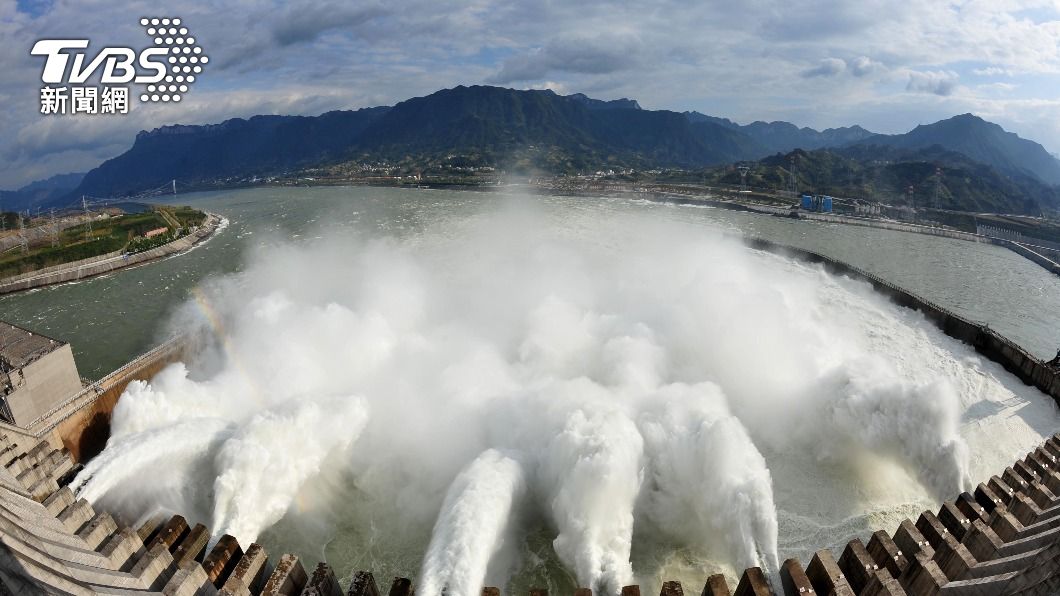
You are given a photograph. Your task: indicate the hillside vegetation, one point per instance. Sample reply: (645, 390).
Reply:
(117, 233)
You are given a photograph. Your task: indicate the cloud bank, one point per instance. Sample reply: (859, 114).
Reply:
(820, 63)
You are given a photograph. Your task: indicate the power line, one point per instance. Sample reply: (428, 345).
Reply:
(22, 233)
(938, 186)
(88, 219)
(167, 188)
(794, 179)
(54, 230)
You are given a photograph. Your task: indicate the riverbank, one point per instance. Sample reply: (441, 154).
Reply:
(110, 262)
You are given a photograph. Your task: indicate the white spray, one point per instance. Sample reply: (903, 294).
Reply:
(600, 376)
(472, 525)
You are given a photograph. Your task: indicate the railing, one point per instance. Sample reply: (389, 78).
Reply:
(44, 423)
(60, 267)
(1019, 361)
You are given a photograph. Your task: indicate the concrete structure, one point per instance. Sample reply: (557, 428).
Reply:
(37, 373)
(1043, 257)
(77, 418)
(985, 340)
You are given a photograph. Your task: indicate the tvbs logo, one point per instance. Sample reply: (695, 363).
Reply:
(165, 71)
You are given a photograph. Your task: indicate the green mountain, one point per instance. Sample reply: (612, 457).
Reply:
(488, 125)
(40, 193)
(902, 177)
(982, 141)
(785, 136)
(234, 148)
(779, 136)
(561, 133)
(541, 131)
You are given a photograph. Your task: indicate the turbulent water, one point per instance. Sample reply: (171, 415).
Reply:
(515, 397)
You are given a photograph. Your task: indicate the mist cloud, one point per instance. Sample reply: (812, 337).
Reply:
(492, 372)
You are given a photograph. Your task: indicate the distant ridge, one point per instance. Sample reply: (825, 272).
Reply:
(39, 193)
(598, 104)
(982, 141)
(541, 131)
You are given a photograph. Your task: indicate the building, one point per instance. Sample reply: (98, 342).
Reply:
(818, 203)
(37, 373)
(867, 208)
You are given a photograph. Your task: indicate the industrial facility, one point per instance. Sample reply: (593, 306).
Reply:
(817, 203)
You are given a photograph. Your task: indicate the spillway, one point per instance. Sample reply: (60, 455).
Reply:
(618, 400)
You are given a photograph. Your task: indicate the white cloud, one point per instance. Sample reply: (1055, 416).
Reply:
(815, 62)
(864, 66)
(829, 67)
(600, 54)
(997, 87)
(940, 83)
(991, 71)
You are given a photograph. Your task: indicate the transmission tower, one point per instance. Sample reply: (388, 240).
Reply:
(794, 179)
(88, 218)
(54, 230)
(22, 233)
(938, 186)
(743, 176)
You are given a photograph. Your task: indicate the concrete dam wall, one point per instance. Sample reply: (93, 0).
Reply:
(81, 424)
(985, 340)
(1044, 257)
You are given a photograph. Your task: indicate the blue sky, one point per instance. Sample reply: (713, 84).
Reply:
(883, 64)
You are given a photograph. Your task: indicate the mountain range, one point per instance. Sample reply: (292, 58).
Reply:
(42, 193)
(930, 177)
(541, 131)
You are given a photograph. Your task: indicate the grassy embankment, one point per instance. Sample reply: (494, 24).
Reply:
(122, 232)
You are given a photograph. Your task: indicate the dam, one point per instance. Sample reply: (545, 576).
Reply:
(1004, 538)
(141, 437)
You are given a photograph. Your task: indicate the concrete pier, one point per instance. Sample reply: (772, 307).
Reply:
(222, 560)
(288, 579)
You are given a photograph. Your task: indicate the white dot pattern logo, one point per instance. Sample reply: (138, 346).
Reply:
(168, 32)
